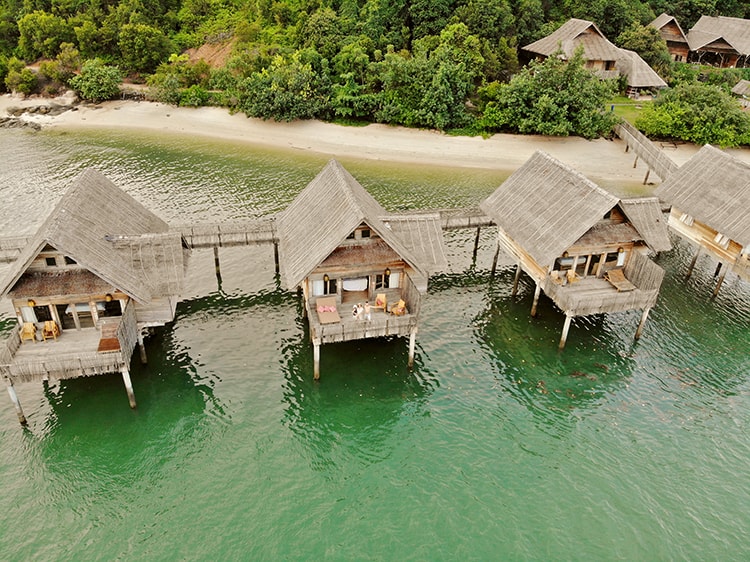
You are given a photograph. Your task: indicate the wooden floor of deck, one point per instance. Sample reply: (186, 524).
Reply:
(68, 342)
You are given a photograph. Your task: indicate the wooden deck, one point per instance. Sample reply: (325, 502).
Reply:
(350, 328)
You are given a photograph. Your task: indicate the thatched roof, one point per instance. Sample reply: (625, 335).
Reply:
(596, 47)
(639, 74)
(572, 34)
(422, 234)
(112, 235)
(709, 29)
(546, 206)
(662, 21)
(328, 210)
(646, 216)
(714, 188)
(742, 88)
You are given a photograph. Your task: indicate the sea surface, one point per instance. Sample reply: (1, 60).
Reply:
(494, 447)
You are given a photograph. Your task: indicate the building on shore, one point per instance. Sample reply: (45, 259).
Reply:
(710, 198)
(670, 30)
(585, 248)
(602, 56)
(344, 251)
(98, 273)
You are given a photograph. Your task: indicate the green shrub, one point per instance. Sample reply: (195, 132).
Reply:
(97, 81)
(194, 96)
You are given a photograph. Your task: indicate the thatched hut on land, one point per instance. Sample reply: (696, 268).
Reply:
(720, 41)
(99, 271)
(581, 245)
(710, 198)
(602, 57)
(672, 33)
(343, 249)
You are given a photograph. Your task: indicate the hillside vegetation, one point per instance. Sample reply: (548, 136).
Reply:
(443, 64)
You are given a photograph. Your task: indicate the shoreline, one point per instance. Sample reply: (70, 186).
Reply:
(602, 161)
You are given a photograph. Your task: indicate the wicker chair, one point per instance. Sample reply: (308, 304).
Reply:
(381, 303)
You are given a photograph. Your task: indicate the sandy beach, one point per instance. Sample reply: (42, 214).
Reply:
(604, 161)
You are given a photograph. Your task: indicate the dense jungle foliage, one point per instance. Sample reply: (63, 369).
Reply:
(444, 64)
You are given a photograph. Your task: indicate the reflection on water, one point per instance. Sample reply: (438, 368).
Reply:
(365, 392)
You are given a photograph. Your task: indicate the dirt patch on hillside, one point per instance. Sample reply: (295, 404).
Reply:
(215, 54)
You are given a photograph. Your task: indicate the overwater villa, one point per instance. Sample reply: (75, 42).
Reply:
(343, 249)
(710, 198)
(585, 248)
(98, 273)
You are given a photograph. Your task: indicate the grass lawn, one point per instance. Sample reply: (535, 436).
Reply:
(627, 108)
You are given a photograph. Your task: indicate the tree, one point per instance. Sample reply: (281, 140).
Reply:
(18, 78)
(97, 81)
(142, 47)
(41, 34)
(697, 113)
(649, 44)
(553, 97)
(290, 88)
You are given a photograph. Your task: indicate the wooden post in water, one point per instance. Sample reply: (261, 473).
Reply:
(142, 348)
(16, 402)
(642, 323)
(276, 256)
(514, 291)
(566, 327)
(217, 265)
(316, 359)
(537, 292)
(412, 344)
(718, 269)
(128, 387)
(494, 262)
(720, 281)
(692, 263)
(476, 247)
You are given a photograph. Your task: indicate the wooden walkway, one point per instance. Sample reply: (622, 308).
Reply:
(656, 160)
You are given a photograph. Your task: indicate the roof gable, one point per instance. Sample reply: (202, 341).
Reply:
(714, 188)
(646, 216)
(668, 25)
(545, 206)
(639, 74)
(734, 31)
(320, 218)
(570, 35)
(96, 223)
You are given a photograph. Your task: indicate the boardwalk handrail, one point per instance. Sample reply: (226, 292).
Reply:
(655, 158)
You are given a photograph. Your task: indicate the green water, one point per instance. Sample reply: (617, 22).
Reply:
(495, 447)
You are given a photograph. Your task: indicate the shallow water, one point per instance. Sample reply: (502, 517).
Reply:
(494, 447)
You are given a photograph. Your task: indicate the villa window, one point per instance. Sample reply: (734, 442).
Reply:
(51, 262)
(69, 261)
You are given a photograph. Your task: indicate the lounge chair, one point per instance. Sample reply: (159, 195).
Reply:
(326, 309)
(381, 303)
(28, 331)
(617, 279)
(399, 309)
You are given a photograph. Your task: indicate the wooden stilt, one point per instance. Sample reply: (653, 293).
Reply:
(635, 163)
(412, 344)
(217, 266)
(566, 327)
(476, 247)
(142, 349)
(494, 262)
(645, 180)
(276, 256)
(627, 148)
(719, 282)
(642, 323)
(537, 292)
(128, 386)
(16, 402)
(692, 263)
(515, 281)
(316, 360)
